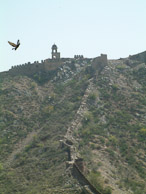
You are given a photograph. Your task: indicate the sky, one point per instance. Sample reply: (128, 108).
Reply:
(86, 27)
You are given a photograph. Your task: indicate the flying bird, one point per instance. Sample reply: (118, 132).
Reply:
(14, 45)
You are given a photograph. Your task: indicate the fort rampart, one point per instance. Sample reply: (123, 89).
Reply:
(29, 69)
(139, 57)
(32, 68)
(100, 62)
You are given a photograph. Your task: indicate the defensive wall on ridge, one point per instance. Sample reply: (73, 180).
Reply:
(32, 68)
(78, 168)
(29, 69)
(139, 57)
(100, 62)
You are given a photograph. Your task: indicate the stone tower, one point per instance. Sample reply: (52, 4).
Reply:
(55, 54)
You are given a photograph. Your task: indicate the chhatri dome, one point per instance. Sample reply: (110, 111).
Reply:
(54, 47)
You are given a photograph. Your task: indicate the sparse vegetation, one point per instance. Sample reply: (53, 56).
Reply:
(96, 179)
(110, 139)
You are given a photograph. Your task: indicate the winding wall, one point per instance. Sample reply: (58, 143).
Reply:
(69, 142)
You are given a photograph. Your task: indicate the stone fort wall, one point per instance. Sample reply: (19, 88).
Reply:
(32, 68)
(29, 69)
(100, 62)
(139, 57)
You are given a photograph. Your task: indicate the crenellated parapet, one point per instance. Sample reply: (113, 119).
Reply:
(52, 64)
(78, 56)
(26, 69)
(32, 68)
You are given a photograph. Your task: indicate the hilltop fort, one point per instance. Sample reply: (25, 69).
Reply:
(53, 63)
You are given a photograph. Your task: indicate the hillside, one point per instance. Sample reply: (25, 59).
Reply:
(82, 122)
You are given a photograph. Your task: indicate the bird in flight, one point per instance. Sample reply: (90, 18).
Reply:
(14, 45)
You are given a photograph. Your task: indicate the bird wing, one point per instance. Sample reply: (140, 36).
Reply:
(12, 44)
(17, 46)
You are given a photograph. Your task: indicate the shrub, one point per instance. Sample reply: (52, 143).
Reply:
(113, 140)
(92, 96)
(121, 67)
(87, 117)
(1, 167)
(143, 131)
(96, 179)
(142, 134)
(32, 85)
(48, 109)
(115, 87)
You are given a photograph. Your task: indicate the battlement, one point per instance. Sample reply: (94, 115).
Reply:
(32, 68)
(47, 65)
(78, 56)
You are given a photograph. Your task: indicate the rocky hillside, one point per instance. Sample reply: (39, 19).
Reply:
(77, 130)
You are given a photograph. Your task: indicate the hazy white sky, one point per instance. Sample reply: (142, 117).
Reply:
(88, 27)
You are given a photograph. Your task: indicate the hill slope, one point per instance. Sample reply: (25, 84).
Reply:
(101, 116)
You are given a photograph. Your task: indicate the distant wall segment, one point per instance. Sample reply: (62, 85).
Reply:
(32, 68)
(47, 65)
(100, 62)
(139, 57)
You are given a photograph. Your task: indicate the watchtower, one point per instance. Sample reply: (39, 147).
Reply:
(55, 54)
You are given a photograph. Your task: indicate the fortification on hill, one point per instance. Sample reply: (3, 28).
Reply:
(53, 63)
(139, 57)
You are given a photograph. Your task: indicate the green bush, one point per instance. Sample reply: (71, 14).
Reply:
(1, 167)
(113, 140)
(96, 179)
(143, 131)
(87, 117)
(92, 96)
